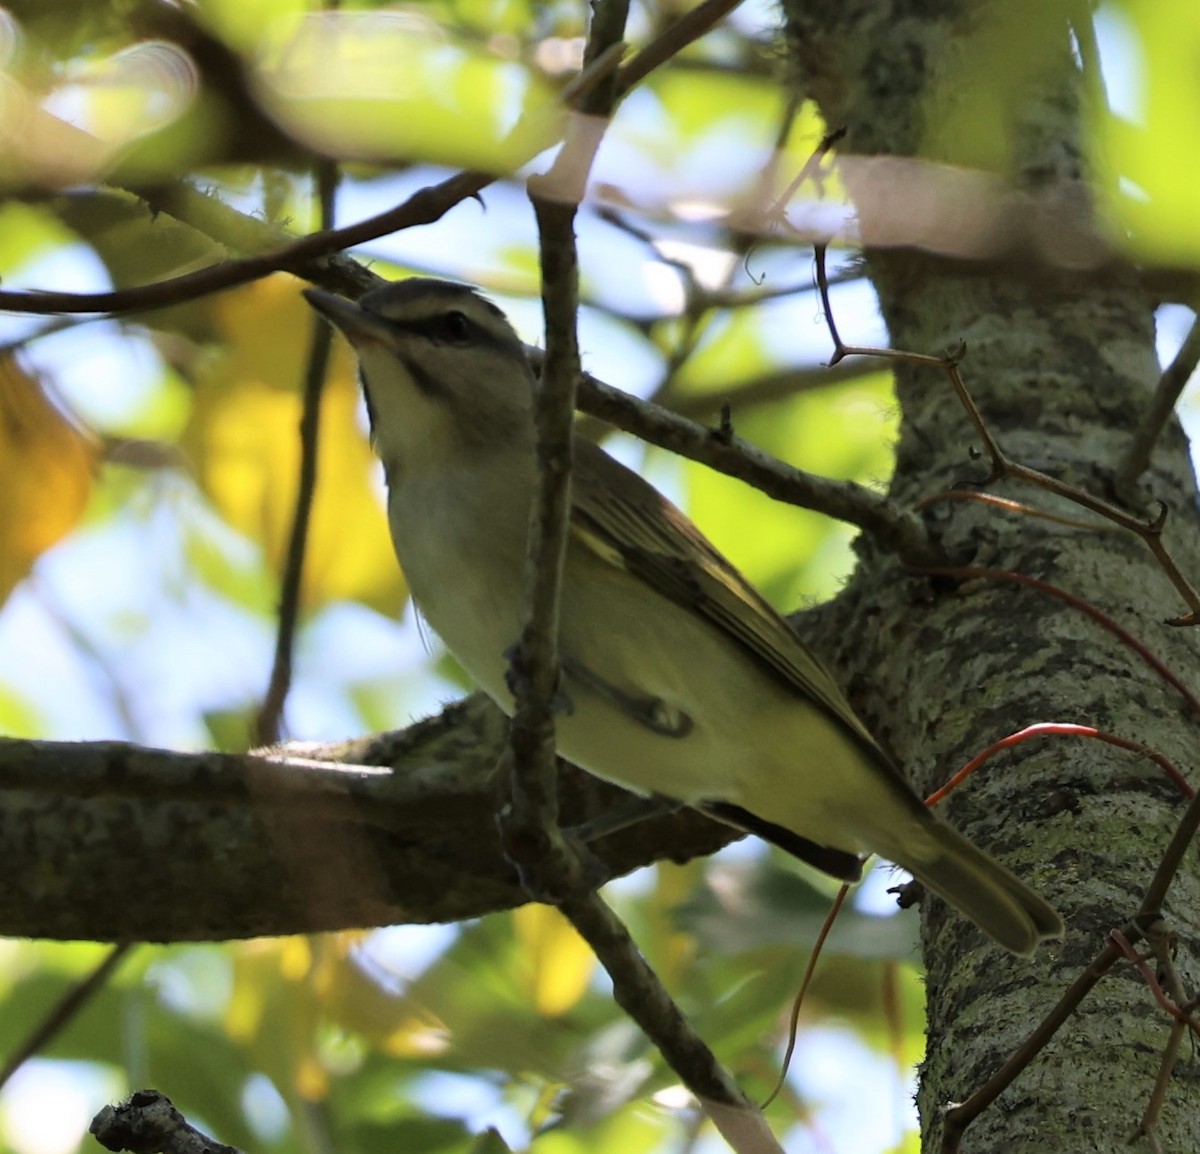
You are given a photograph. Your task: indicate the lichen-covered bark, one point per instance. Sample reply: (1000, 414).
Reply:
(1060, 361)
(112, 841)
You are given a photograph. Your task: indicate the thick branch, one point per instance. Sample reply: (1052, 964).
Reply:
(112, 841)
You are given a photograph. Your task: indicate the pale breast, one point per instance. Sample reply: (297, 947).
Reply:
(460, 539)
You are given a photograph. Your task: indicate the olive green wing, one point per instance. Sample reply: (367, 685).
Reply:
(626, 522)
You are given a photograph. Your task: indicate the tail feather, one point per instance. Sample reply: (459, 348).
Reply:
(978, 886)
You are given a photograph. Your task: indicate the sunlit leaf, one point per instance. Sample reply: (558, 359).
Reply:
(244, 24)
(26, 232)
(274, 1013)
(390, 84)
(46, 472)
(560, 962)
(843, 432)
(243, 439)
(1147, 180)
(18, 718)
(703, 102)
(139, 246)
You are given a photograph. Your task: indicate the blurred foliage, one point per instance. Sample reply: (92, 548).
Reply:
(46, 470)
(148, 473)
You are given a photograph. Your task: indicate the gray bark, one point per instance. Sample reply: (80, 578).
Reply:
(101, 840)
(1061, 363)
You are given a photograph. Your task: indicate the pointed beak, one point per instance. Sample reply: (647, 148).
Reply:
(358, 325)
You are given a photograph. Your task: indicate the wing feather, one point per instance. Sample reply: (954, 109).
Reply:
(626, 522)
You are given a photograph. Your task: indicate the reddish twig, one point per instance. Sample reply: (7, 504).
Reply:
(968, 572)
(1152, 983)
(1060, 729)
(809, 971)
(1002, 465)
(1011, 506)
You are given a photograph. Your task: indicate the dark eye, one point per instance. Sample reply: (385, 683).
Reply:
(456, 327)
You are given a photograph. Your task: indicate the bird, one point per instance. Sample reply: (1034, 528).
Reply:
(680, 681)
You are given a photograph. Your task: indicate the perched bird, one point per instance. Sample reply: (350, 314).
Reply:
(681, 680)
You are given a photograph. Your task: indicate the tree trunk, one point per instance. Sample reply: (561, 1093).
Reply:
(1060, 361)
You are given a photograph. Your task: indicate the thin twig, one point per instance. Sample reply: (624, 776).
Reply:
(1003, 466)
(529, 825)
(1061, 729)
(312, 256)
(64, 1011)
(1164, 671)
(1172, 859)
(268, 723)
(959, 1116)
(303, 257)
(1162, 945)
(641, 995)
(893, 527)
(1011, 506)
(668, 44)
(1154, 419)
(1152, 983)
(810, 970)
(810, 171)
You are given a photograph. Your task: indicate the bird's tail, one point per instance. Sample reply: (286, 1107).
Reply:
(976, 885)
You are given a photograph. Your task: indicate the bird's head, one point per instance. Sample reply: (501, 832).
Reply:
(442, 369)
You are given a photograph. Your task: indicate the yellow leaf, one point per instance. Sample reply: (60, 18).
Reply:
(560, 961)
(46, 470)
(243, 437)
(275, 1013)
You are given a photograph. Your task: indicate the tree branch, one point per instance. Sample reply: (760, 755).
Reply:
(100, 840)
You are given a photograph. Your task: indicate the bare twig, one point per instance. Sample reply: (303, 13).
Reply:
(1003, 466)
(1011, 506)
(1172, 859)
(810, 171)
(1154, 419)
(810, 970)
(530, 828)
(64, 1011)
(305, 257)
(894, 528)
(270, 714)
(314, 256)
(959, 1116)
(1152, 983)
(1062, 729)
(639, 993)
(690, 27)
(1147, 1128)
(967, 572)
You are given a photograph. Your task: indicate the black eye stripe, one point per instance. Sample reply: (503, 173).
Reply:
(444, 329)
